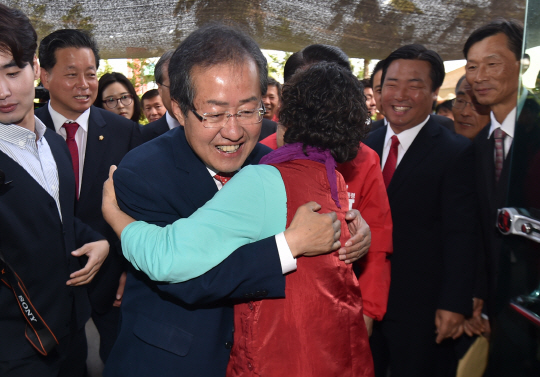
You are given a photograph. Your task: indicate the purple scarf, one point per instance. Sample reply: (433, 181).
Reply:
(295, 151)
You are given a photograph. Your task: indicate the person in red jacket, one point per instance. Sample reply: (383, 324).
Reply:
(367, 194)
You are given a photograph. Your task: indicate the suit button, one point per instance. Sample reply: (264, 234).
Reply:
(228, 345)
(250, 367)
(248, 295)
(264, 293)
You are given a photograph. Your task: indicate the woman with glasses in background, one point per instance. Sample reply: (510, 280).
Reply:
(117, 95)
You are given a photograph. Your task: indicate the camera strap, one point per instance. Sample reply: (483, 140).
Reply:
(36, 331)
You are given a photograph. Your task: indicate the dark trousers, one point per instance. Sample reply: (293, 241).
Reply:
(409, 350)
(107, 327)
(68, 359)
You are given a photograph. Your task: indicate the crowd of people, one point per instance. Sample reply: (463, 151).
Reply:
(356, 237)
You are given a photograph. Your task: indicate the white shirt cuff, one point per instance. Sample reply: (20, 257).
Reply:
(288, 262)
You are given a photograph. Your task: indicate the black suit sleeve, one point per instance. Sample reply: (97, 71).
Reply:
(460, 234)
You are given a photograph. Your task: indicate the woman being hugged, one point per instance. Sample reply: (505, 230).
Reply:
(318, 329)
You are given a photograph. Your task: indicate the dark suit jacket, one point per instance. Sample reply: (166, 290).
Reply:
(110, 137)
(38, 245)
(433, 210)
(268, 127)
(514, 189)
(154, 129)
(186, 328)
(443, 121)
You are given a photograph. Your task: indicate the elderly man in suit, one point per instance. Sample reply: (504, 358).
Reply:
(40, 234)
(96, 139)
(187, 328)
(428, 172)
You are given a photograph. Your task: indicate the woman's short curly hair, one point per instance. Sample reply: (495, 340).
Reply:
(325, 107)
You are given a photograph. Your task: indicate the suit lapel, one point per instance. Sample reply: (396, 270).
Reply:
(376, 140)
(419, 149)
(163, 126)
(198, 185)
(96, 147)
(66, 178)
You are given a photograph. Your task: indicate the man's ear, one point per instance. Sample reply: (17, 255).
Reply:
(436, 94)
(36, 68)
(44, 77)
(178, 114)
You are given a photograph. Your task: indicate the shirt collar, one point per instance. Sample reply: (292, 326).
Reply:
(406, 137)
(59, 120)
(508, 124)
(18, 135)
(171, 121)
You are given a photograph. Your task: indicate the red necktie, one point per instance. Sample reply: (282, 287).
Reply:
(391, 162)
(71, 130)
(499, 152)
(224, 177)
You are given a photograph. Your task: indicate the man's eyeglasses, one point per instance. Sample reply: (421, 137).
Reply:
(460, 104)
(111, 102)
(243, 117)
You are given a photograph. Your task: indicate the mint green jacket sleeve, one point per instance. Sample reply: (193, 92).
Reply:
(250, 207)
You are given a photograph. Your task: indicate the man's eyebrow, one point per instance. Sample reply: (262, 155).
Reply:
(10, 65)
(223, 103)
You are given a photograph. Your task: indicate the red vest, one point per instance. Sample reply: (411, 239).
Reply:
(318, 329)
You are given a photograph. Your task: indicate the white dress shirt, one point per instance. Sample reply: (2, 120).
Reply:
(80, 137)
(405, 138)
(288, 262)
(171, 121)
(508, 126)
(32, 152)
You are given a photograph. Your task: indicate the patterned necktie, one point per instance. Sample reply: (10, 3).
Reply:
(71, 130)
(391, 162)
(499, 135)
(224, 177)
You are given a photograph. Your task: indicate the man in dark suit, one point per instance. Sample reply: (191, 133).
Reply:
(493, 54)
(429, 178)
(41, 240)
(168, 121)
(69, 61)
(187, 328)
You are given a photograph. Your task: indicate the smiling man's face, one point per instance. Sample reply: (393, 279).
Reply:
(72, 82)
(407, 98)
(229, 88)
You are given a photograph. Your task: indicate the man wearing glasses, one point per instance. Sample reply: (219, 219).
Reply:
(97, 139)
(217, 78)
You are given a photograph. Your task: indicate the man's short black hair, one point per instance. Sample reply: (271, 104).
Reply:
(149, 94)
(273, 82)
(459, 82)
(206, 47)
(313, 54)
(366, 83)
(65, 38)
(324, 106)
(418, 52)
(444, 105)
(511, 28)
(17, 36)
(378, 67)
(158, 70)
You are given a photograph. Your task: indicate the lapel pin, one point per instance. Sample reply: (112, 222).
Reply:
(101, 137)
(3, 179)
